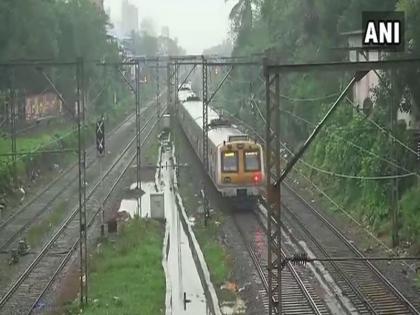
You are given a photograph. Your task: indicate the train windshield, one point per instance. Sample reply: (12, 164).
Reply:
(230, 161)
(252, 161)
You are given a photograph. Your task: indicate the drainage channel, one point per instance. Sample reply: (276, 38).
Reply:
(188, 286)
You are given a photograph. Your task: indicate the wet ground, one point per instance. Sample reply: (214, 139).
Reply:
(186, 290)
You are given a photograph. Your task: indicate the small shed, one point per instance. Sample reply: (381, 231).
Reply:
(157, 205)
(166, 122)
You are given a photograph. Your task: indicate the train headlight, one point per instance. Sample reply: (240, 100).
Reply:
(256, 178)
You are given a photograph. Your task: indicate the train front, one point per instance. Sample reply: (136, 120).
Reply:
(241, 170)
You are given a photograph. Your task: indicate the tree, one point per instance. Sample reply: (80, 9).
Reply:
(241, 16)
(53, 30)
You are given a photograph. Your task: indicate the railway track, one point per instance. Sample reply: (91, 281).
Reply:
(296, 298)
(368, 289)
(62, 187)
(24, 294)
(361, 281)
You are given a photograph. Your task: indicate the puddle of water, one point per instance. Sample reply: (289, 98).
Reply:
(130, 205)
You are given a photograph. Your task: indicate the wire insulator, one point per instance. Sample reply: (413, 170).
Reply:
(299, 259)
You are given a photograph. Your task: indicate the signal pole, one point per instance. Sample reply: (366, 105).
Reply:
(138, 156)
(205, 147)
(157, 89)
(176, 89)
(82, 183)
(100, 149)
(12, 123)
(394, 186)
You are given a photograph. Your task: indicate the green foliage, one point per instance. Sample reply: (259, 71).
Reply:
(309, 31)
(217, 257)
(57, 30)
(126, 276)
(410, 212)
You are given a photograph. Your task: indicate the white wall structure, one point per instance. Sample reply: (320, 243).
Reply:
(364, 88)
(363, 91)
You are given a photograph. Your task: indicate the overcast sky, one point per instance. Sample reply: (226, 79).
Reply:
(198, 24)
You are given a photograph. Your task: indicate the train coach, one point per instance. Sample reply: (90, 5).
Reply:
(235, 161)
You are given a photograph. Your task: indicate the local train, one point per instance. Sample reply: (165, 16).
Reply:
(236, 162)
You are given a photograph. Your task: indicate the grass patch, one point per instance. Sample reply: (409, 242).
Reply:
(217, 257)
(41, 229)
(126, 276)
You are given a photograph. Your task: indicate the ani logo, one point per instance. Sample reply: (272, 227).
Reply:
(383, 30)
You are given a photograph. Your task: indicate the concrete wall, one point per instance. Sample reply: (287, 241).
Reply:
(365, 88)
(41, 105)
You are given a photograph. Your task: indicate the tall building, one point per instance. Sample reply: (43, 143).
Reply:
(129, 18)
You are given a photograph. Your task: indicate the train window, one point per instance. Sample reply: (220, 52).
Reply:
(230, 161)
(252, 161)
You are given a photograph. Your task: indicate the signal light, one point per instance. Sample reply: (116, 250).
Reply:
(256, 177)
(100, 136)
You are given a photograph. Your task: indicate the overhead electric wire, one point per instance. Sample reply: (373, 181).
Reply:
(339, 207)
(347, 213)
(382, 177)
(368, 118)
(332, 200)
(353, 144)
(328, 172)
(315, 99)
(292, 99)
(385, 131)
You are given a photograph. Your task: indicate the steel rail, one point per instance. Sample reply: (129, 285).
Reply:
(291, 268)
(90, 223)
(68, 169)
(272, 66)
(60, 177)
(356, 251)
(11, 238)
(352, 247)
(341, 273)
(293, 302)
(63, 226)
(52, 183)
